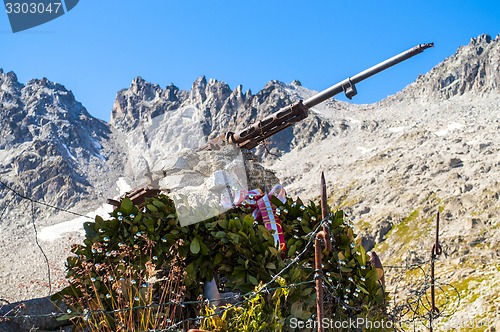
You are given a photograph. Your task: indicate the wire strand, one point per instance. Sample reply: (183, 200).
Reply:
(42, 203)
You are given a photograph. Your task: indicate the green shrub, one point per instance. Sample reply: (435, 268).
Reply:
(144, 258)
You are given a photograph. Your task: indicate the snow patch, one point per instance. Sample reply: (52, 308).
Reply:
(353, 120)
(364, 150)
(123, 186)
(54, 232)
(451, 126)
(398, 129)
(68, 152)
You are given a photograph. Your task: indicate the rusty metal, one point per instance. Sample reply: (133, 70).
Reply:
(323, 237)
(377, 264)
(324, 203)
(436, 251)
(251, 136)
(137, 196)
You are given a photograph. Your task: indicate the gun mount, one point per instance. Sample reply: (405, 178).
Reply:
(251, 136)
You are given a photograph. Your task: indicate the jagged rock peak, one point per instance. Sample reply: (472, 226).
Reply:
(147, 90)
(200, 82)
(481, 39)
(474, 68)
(43, 97)
(46, 83)
(11, 75)
(274, 83)
(9, 80)
(49, 140)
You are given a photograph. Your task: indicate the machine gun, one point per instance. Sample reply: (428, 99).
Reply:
(251, 136)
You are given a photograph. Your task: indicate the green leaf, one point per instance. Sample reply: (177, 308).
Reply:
(183, 251)
(274, 251)
(307, 291)
(362, 256)
(220, 234)
(271, 266)
(252, 280)
(65, 317)
(224, 224)
(195, 246)
(235, 238)
(152, 208)
(345, 269)
(297, 310)
(191, 269)
(218, 258)
(150, 225)
(89, 230)
(292, 249)
(126, 206)
(204, 248)
(158, 204)
(363, 289)
(226, 268)
(295, 274)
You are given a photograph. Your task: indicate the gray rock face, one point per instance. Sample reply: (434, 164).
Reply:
(432, 147)
(49, 142)
(473, 68)
(218, 108)
(53, 151)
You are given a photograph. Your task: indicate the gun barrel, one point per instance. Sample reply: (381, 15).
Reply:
(250, 137)
(347, 85)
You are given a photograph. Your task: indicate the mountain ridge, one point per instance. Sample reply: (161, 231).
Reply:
(433, 143)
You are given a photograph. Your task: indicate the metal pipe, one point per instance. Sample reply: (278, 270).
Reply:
(324, 211)
(250, 137)
(436, 251)
(350, 81)
(323, 237)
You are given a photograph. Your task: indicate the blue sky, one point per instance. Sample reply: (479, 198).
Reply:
(98, 47)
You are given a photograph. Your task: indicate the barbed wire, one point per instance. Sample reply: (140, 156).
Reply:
(88, 313)
(415, 308)
(266, 288)
(24, 197)
(33, 221)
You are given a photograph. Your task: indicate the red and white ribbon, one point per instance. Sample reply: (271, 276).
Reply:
(263, 209)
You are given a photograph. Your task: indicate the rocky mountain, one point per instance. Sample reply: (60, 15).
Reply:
(394, 164)
(215, 105)
(53, 151)
(432, 147)
(473, 69)
(51, 148)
